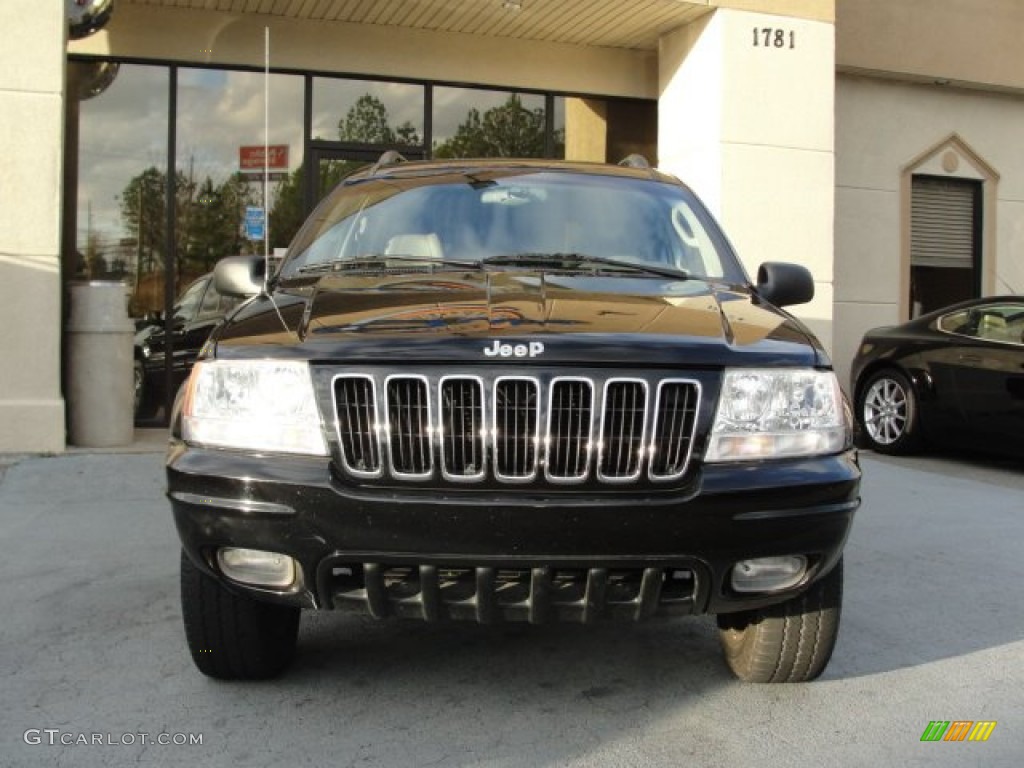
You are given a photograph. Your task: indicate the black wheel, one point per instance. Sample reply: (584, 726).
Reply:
(887, 414)
(233, 637)
(140, 389)
(786, 643)
(144, 408)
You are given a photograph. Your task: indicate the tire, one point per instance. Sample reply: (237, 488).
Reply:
(888, 415)
(144, 408)
(140, 393)
(234, 637)
(787, 643)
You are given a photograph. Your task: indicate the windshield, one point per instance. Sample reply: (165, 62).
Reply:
(466, 217)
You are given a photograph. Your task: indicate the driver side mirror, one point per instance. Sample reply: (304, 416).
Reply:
(784, 284)
(239, 276)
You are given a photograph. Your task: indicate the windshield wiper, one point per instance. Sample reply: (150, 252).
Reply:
(381, 260)
(578, 261)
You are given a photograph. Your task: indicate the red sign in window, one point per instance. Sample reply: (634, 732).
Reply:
(251, 158)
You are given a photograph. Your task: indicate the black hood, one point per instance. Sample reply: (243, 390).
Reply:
(518, 317)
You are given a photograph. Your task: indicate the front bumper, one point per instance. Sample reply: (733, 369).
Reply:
(488, 555)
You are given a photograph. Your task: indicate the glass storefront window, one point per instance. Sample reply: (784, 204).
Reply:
(118, 225)
(120, 220)
(367, 112)
(219, 159)
(117, 208)
(473, 122)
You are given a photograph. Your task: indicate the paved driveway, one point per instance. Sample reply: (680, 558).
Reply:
(91, 649)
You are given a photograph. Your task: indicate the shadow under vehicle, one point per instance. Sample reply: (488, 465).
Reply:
(952, 378)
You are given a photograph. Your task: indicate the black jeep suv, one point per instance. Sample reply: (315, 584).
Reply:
(513, 390)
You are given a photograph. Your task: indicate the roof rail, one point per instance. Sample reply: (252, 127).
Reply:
(635, 160)
(391, 157)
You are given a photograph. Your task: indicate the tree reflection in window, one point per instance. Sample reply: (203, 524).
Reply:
(508, 130)
(367, 122)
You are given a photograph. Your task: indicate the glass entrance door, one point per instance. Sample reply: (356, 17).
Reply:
(330, 165)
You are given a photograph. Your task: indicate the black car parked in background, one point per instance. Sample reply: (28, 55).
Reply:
(954, 376)
(194, 316)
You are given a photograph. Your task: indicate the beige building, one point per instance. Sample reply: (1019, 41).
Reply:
(929, 109)
(814, 129)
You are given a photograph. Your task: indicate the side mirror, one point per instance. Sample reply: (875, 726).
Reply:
(784, 284)
(239, 276)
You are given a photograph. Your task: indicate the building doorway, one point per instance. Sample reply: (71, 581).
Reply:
(327, 165)
(945, 242)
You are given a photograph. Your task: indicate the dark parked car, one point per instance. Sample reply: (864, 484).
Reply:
(194, 316)
(513, 391)
(952, 377)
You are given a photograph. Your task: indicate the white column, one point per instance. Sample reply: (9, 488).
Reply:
(746, 118)
(31, 138)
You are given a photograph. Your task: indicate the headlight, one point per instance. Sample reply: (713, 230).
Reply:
(777, 413)
(259, 405)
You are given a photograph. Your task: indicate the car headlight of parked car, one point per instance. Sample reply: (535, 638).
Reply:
(257, 405)
(776, 413)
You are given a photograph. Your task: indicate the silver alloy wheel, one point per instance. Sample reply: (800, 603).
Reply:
(885, 411)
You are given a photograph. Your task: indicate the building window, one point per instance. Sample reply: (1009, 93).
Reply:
(219, 164)
(945, 242)
(368, 112)
(119, 222)
(474, 122)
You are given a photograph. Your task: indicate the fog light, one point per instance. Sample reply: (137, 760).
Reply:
(254, 566)
(768, 574)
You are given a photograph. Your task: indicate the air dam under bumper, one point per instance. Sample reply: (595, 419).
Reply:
(489, 556)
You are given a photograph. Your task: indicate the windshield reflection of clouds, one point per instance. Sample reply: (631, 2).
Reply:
(517, 211)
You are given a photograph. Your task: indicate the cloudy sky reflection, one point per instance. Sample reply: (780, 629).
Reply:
(124, 130)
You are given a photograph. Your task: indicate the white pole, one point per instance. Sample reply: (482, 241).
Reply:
(266, 156)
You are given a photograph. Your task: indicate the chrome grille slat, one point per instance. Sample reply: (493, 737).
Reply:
(675, 414)
(515, 429)
(409, 426)
(622, 429)
(462, 428)
(569, 433)
(355, 413)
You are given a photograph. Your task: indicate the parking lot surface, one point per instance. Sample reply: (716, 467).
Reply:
(92, 651)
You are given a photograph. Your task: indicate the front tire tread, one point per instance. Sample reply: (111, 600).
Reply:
(786, 643)
(232, 636)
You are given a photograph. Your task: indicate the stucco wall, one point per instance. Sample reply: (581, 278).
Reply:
(881, 127)
(31, 132)
(750, 127)
(975, 42)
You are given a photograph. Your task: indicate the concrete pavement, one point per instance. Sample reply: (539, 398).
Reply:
(91, 648)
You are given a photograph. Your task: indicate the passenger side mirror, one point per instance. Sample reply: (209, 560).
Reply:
(784, 284)
(239, 276)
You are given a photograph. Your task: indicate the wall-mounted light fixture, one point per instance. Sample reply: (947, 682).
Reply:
(87, 16)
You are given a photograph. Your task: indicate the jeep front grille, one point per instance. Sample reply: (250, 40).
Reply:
(515, 429)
